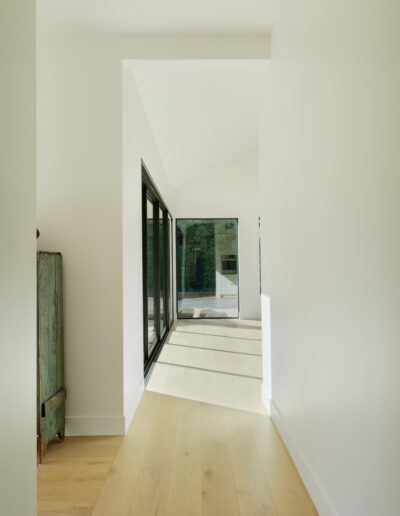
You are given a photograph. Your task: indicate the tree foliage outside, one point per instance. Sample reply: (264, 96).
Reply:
(195, 256)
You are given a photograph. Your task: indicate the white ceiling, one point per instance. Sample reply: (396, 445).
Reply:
(154, 16)
(202, 119)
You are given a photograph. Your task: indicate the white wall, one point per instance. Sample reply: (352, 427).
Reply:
(17, 259)
(80, 212)
(266, 233)
(232, 192)
(332, 175)
(138, 145)
(80, 215)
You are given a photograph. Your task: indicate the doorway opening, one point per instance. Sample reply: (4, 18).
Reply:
(196, 124)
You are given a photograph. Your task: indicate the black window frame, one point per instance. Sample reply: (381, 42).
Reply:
(236, 219)
(150, 191)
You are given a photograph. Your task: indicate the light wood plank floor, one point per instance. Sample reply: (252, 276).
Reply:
(190, 458)
(73, 474)
(191, 455)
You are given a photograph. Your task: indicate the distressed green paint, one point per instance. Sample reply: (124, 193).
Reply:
(49, 406)
(50, 347)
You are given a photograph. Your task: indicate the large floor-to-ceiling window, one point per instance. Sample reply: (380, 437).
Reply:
(207, 268)
(157, 269)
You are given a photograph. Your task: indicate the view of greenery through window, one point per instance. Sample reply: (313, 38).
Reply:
(207, 268)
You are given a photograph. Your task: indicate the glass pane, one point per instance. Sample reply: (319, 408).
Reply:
(162, 270)
(151, 329)
(207, 268)
(171, 266)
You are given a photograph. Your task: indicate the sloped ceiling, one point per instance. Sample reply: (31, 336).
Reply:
(202, 120)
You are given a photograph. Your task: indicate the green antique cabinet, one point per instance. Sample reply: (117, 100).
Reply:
(51, 392)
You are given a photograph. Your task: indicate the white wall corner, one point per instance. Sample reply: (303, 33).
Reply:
(323, 504)
(94, 425)
(133, 404)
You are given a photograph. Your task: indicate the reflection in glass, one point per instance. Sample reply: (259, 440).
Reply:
(152, 336)
(207, 268)
(163, 268)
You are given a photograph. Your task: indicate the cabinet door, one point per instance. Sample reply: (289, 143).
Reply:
(51, 392)
(59, 310)
(47, 326)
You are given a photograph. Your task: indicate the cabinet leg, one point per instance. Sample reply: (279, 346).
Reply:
(61, 437)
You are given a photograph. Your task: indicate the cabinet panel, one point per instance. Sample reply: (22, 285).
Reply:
(50, 349)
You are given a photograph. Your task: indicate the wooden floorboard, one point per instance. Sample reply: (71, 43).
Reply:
(73, 474)
(188, 458)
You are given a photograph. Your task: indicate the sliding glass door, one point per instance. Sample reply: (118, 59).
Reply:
(170, 277)
(163, 271)
(207, 268)
(157, 259)
(150, 276)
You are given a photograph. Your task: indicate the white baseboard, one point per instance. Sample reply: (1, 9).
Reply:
(266, 398)
(104, 425)
(133, 405)
(94, 425)
(322, 502)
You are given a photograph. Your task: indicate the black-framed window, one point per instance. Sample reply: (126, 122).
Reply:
(207, 268)
(157, 259)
